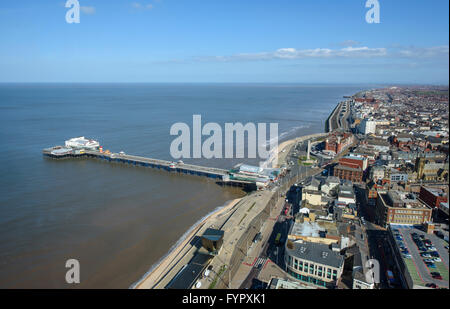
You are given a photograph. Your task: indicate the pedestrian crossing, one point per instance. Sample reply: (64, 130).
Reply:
(260, 261)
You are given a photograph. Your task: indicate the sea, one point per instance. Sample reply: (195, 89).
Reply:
(119, 221)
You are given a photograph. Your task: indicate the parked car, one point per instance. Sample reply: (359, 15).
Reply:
(438, 277)
(436, 259)
(430, 265)
(425, 255)
(439, 234)
(431, 285)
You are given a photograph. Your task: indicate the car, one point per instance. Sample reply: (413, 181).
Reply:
(431, 285)
(432, 248)
(425, 255)
(434, 254)
(435, 273)
(428, 261)
(437, 277)
(436, 259)
(430, 265)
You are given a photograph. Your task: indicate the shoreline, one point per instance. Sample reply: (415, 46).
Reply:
(156, 271)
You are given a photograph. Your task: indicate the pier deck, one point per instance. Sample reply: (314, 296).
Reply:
(218, 174)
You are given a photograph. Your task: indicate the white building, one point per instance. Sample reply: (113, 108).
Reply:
(368, 126)
(82, 143)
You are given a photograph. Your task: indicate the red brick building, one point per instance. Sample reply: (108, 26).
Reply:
(432, 197)
(349, 173)
(338, 141)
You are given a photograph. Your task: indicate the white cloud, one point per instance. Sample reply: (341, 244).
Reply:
(424, 52)
(89, 10)
(436, 52)
(138, 5)
(292, 53)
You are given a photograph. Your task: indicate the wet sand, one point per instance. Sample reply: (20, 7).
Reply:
(155, 274)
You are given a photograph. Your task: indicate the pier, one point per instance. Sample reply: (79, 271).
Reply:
(221, 176)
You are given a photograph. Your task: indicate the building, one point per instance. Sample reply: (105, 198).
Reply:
(330, 184)
(315, 263)
(354, 161)
(307, 228)
(431, 170)
(376, 173)
(348, 173)
(368, 126)
(283, 284)
(82, 143)
(212, 240)
(394, 175)
(396, 207)
(432, 197)
(338, 142)
(346, 194)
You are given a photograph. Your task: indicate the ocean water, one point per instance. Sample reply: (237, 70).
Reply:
(118, 221)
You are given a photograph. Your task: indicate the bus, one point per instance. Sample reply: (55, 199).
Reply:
(277, 239)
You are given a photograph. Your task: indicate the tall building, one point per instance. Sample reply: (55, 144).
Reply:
(368, 126)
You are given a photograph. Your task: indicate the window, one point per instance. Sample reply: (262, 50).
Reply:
(300, 266)
(328, 273)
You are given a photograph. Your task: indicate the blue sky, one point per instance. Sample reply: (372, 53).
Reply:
(298, 41)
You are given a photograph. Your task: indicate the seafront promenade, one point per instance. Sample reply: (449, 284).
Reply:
(241, 220)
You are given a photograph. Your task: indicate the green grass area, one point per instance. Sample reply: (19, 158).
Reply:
(245, 215)
(440, 268)
(218, 275)
(251, 207)
(413, 272)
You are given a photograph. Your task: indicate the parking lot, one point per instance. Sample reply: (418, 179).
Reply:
(419, 271)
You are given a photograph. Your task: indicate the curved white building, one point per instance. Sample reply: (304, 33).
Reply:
(82, 143)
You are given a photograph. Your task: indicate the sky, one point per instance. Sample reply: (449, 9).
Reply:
(256, 41)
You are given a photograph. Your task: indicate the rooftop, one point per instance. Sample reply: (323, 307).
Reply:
(317, 253)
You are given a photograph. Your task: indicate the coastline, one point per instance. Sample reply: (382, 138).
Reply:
(158, 270)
